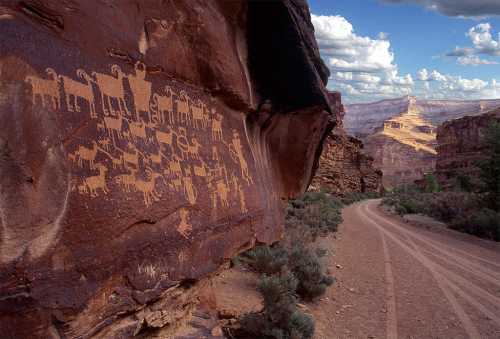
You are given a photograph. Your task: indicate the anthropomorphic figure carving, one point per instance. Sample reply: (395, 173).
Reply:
(141, 89)
(217, 127)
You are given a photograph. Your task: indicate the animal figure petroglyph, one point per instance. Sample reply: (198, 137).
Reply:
(94, 183)
(137, 130)
(118, 162)
(174, 166)
(148, 188)
(165, 137)
(105, 144)
(217, 127)
(112, 87)
(45, 88)
(127, 180)
(183, 108)
(184, 227)
(75, 89)
(141, 89)
(161, 104)
(114, 124)
(200, 119)
(86, 154)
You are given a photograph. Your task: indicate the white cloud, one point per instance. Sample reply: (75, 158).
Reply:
(460, 8)
(474, 60)
(483, 43)
(361, 66)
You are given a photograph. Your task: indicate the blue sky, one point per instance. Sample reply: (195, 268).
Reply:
(415, 41)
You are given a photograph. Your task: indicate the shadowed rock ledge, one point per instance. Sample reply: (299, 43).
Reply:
(142, 145)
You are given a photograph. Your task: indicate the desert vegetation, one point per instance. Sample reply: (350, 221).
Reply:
(473, 206)
(292, 270)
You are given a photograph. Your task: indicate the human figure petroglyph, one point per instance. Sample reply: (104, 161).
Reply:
(94, 183)
(183, 112)
(184, 227)
(148, 188)
(45, 88)
(112, 87)
(85, 154)
(131, 157)
(217, 127)
(194, 149)
(141, 89)
(183, 143)
(236, 152)
(161, 104)
(240, 194)
(189, 190)
(74, 89)
(200, 171)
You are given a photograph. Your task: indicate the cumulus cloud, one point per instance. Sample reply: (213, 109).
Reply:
(483, 43)
(360, 66)
(458, 8)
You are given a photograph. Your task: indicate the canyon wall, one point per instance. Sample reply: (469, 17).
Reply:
(400, 134)
(343, 167)
(460, 146)
(142, 145)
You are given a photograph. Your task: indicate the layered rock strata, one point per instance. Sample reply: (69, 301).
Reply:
(461, 146)
(142, 144)
(400, 134)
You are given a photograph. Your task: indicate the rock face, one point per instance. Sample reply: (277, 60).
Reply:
(142, 144)
(460, 146)
(343, 167)
(400, 134)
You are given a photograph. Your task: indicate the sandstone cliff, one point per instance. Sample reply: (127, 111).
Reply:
(343, 167)
(142, 144)
(400, 134)
(460, 146)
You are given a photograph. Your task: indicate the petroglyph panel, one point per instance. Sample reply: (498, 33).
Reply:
(153, 143)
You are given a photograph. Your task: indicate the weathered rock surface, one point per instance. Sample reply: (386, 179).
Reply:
(460, 146)
(142, 144)
(343, 167)
(400, 134)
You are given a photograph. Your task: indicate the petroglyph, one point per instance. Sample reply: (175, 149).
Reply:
(45, 89)
(184, 227)
(158, 148)
(112, 88)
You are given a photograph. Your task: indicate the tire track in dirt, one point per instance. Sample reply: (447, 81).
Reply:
(447, 280)
(467, 324)
(392, 320)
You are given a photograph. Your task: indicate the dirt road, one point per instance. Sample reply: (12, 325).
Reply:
(400, 281)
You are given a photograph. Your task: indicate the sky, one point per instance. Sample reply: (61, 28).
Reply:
(435, 49)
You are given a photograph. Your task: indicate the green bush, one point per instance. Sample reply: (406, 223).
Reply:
(353, 197)
(310, 273)
(484, 224)
(280, 317)
(266, 259)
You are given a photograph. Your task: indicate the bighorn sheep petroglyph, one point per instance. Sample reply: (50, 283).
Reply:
(45, 88)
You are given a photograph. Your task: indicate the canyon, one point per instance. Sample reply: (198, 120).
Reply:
(400, 134)
(343, 166)
(143, 145)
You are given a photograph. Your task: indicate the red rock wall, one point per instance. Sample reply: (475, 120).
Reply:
(343, 166)
(460, 146)
(143, 143)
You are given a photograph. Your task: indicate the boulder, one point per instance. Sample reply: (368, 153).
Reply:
(142, 145)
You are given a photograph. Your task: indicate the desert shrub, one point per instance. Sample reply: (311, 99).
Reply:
(280, 317)
(484, 223)
(310, 273)
(266, 259)
(351, 198)
(317, 211)
(431, 184)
